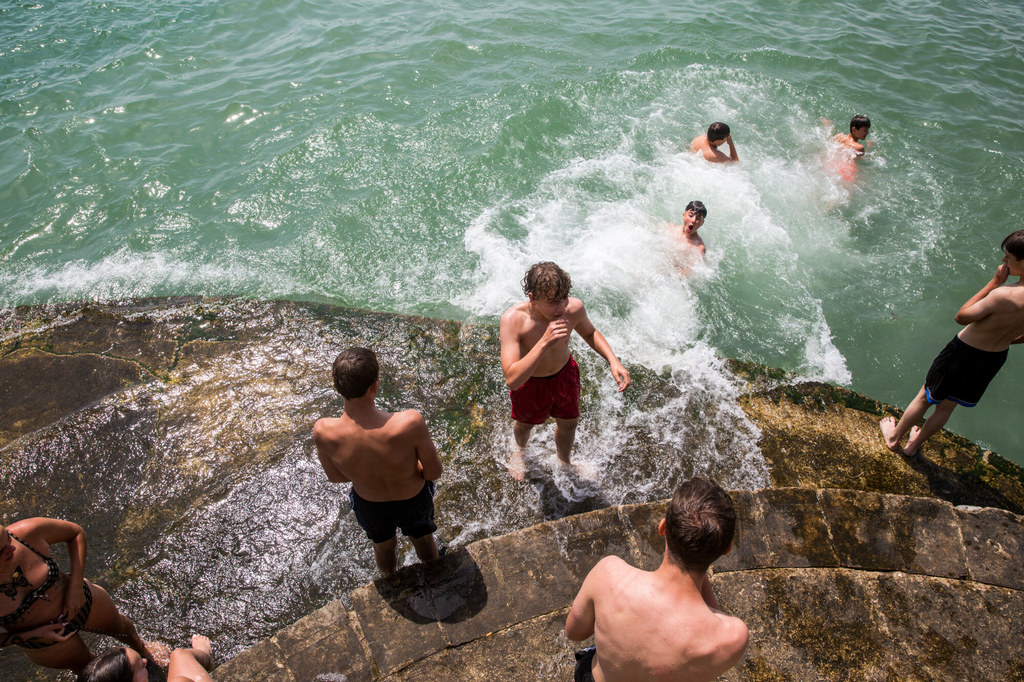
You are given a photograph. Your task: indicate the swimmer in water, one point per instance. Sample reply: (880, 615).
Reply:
(708, 145)
(693, 218)
(856, 139)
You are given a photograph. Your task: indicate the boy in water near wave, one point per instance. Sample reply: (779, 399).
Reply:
(856, 139)
(708, 145)
(543, 378)
(693, 218)
(841, 162)
(388, 457)
(994, 319)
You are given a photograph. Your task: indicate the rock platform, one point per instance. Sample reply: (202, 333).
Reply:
(833, 584)
(163, 425)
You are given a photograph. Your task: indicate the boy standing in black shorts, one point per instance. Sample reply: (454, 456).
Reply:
(994, 319)
(388, 457)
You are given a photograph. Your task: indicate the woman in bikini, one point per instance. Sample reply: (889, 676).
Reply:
(42, 608)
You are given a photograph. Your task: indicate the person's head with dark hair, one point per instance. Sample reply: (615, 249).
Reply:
(697, 207)
(699, 524)
(717, 132)
(859, 122)
(117, 664)
(546, 282)
(1014, 244)
(355, 370)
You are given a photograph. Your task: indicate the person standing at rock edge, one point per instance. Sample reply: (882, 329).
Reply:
(994, 319)
(663, 624)
(389, 457)
(543, 378)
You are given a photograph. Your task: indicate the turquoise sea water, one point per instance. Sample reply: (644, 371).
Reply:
(417, 157)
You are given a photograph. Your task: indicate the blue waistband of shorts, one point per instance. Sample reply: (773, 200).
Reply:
(933, 401)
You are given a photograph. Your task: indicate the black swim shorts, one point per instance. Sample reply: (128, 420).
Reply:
(584, 665)
(414, 516)
(961, 373)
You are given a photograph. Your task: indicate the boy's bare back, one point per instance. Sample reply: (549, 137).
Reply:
(648, 629)
(385, 455)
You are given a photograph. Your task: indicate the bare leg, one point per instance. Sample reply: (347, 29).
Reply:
(386, 555)
(893, 433)
(521, 430)
(931, 426)
(426, 547)
(193, 663)
(517, 456)
(565, 436)
(105, 618)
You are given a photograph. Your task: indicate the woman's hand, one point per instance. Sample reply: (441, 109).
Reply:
(44, 634)
(74, 599)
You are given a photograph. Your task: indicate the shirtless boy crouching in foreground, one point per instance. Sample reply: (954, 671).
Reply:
(388, 457)
(663, 624)
(962, 371)
(543, 378)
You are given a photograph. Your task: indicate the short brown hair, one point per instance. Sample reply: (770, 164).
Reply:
(1014, 244)
(355, 369)
(700, 524)
(547, 281)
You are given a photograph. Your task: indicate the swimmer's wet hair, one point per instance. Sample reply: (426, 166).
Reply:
(110, 666)
(859, 121)
(699, 524)
(1014, 244)
(717, 131)
(697, 207)
(547, 281)
(354, 371)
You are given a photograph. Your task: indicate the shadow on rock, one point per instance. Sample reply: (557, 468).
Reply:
(448, 590)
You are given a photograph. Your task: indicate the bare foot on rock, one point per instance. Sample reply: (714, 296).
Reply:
(888, 426)
(516, 463)
(907, 452)
(159, 654)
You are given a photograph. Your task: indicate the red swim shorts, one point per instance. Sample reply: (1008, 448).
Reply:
(555, 396)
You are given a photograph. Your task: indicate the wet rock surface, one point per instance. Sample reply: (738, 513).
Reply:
(847, 595)
(182, 425)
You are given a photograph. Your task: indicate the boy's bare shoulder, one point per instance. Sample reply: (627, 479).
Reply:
(516, 315)
(327, 428)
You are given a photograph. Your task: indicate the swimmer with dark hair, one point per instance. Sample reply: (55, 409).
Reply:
(856, 139)
(693, 218)
(707, 145)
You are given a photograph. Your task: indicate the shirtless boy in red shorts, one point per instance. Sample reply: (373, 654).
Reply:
(994, 319)
(541, 374)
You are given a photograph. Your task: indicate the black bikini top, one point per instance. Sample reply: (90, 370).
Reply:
(18, 580)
